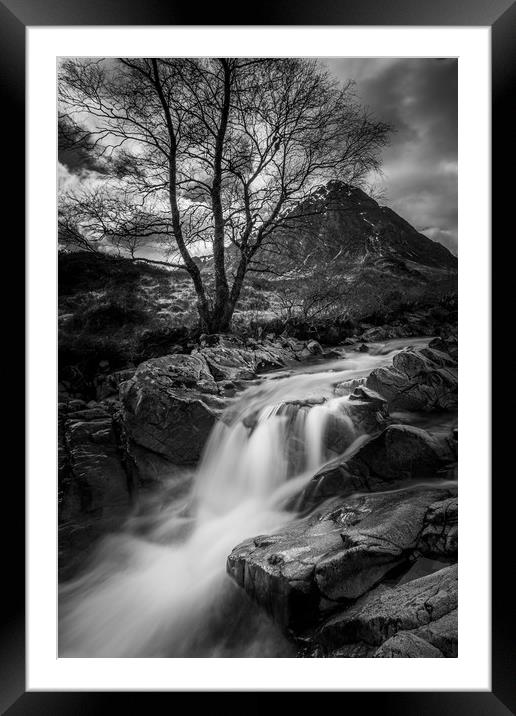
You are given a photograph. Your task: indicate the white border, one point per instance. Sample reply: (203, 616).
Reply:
(471, 670)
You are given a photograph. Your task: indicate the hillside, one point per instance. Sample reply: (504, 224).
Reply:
(343, 260)
(349, 227)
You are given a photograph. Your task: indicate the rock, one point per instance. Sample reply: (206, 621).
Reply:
(292, 344)
(407, 645)
(150, 468)
(398, 452)
(442, 634)
(442, 359)
(401, 452)
(417, 381)
(348, 386)
(334, 555)
(314, 347)
(76, 404)
(333, 479)
(87, 414)
(445, 345)
(334, 353)
(363, 348)
(439, 537)
(95, 490)
(269, 356)
(384, 612)
(304, 354)
(232, 360)
(229, 363)
(367, 409)
(379, 333)
(107, 386)
(169, 406)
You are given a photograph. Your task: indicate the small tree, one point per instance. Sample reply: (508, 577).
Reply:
(210, 156)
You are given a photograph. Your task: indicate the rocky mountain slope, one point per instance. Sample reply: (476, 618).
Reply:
(348, 227)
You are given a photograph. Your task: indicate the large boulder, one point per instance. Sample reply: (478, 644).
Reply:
(171, 405)
(230, 363)
(399, 452)
(334, 555)
(231, 358)
(367, 409)
(414, 609)
(417, 380)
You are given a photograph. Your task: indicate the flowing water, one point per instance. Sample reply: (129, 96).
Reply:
(159, 588)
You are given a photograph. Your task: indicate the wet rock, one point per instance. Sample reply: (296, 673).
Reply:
(333, 479)
(95, 490)
(368, 410)
(230, 358)
(399, 452)
(348, 386)
(379, 333)
(334, 353)
(407, 645)
(442, 634)
(384, 612)
(417, 381)
(170, 406)
(314, 347)
(363, 348)
(440, 532)
(334, 555)
(445, 345)
(230, 363)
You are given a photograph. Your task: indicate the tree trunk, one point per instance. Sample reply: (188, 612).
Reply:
(215, 321)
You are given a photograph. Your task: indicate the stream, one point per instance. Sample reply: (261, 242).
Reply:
(159, 587)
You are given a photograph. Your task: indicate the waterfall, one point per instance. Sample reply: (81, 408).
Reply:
(165, 593)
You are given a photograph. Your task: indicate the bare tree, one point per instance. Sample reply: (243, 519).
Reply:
(213, 155)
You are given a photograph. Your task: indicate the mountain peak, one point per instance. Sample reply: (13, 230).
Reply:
(339, 217)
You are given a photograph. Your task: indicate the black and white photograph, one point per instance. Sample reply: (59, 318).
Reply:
(257, 397)
(252, 241)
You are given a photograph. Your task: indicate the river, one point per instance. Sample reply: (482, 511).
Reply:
(159, 588)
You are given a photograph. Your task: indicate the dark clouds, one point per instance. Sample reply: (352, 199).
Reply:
(419, 98)
(76, 149)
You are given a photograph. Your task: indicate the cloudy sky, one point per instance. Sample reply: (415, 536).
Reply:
(419, 98)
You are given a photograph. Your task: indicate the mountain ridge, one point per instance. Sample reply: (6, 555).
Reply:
(342, 221)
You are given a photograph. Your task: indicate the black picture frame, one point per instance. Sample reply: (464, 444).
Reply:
(500, 15)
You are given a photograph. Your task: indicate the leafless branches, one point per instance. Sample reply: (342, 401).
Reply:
(210, 153)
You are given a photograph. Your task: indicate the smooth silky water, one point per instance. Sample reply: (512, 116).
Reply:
(159, 588)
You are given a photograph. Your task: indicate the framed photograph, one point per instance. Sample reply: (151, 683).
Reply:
(258, 263)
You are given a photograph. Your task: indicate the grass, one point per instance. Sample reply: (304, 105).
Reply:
(116, 311)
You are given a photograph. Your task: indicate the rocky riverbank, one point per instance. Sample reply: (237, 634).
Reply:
(369, 567)
(148, 424)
